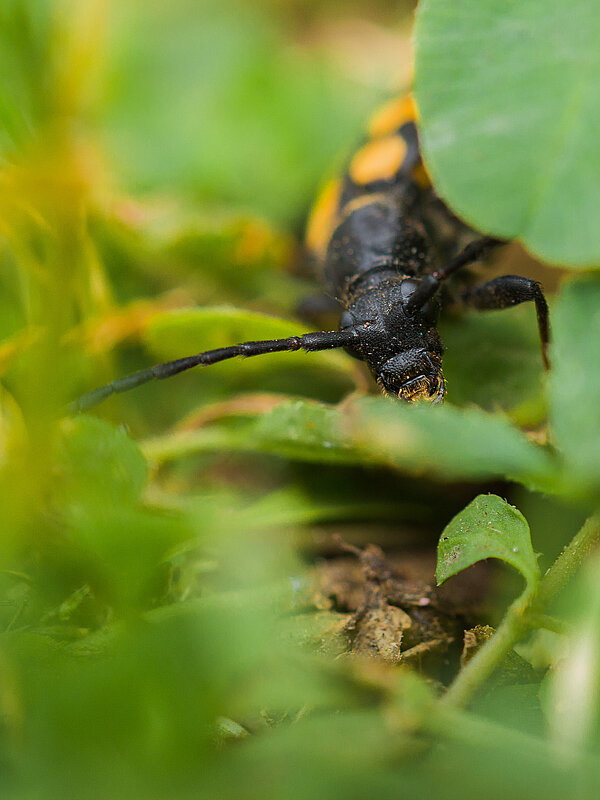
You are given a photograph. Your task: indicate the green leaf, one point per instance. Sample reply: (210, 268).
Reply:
(575, 382)
(509, 97)
(305, 431)
(447, 442)
(297, 429)
(488, 527)
(98, 461)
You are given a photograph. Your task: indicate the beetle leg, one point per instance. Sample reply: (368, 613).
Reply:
(510, 290)
(431, 283)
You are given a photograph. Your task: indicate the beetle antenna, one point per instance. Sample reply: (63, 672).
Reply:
(319, 340)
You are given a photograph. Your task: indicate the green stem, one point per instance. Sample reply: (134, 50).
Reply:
(481, 733)
(523, 615)
(487, 658)
(548, 623)
(572, 557)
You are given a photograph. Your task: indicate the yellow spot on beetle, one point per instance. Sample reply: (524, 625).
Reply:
(394, 114)
(323, 218)
(378, 160)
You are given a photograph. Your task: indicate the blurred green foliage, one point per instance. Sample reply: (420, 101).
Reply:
(157, 596)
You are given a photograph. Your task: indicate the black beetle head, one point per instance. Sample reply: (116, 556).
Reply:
(403, 350)
(413, 375)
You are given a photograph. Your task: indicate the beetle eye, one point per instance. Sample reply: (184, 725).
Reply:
(407, 288)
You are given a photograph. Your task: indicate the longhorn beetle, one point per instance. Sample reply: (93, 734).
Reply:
(385, 245)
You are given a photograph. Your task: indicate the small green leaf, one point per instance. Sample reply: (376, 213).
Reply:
(488, 527)
(509, 98)
(575, 382)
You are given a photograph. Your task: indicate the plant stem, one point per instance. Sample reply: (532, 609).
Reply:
(547, 622)
(568, 562)
(487, 658)
(523, 615)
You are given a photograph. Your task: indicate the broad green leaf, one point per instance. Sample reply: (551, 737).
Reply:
(488, 527)
(509, 97)
(447, 442)
(575, 381)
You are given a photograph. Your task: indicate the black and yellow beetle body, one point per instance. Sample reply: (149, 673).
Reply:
(380, 232)
(384, 244)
